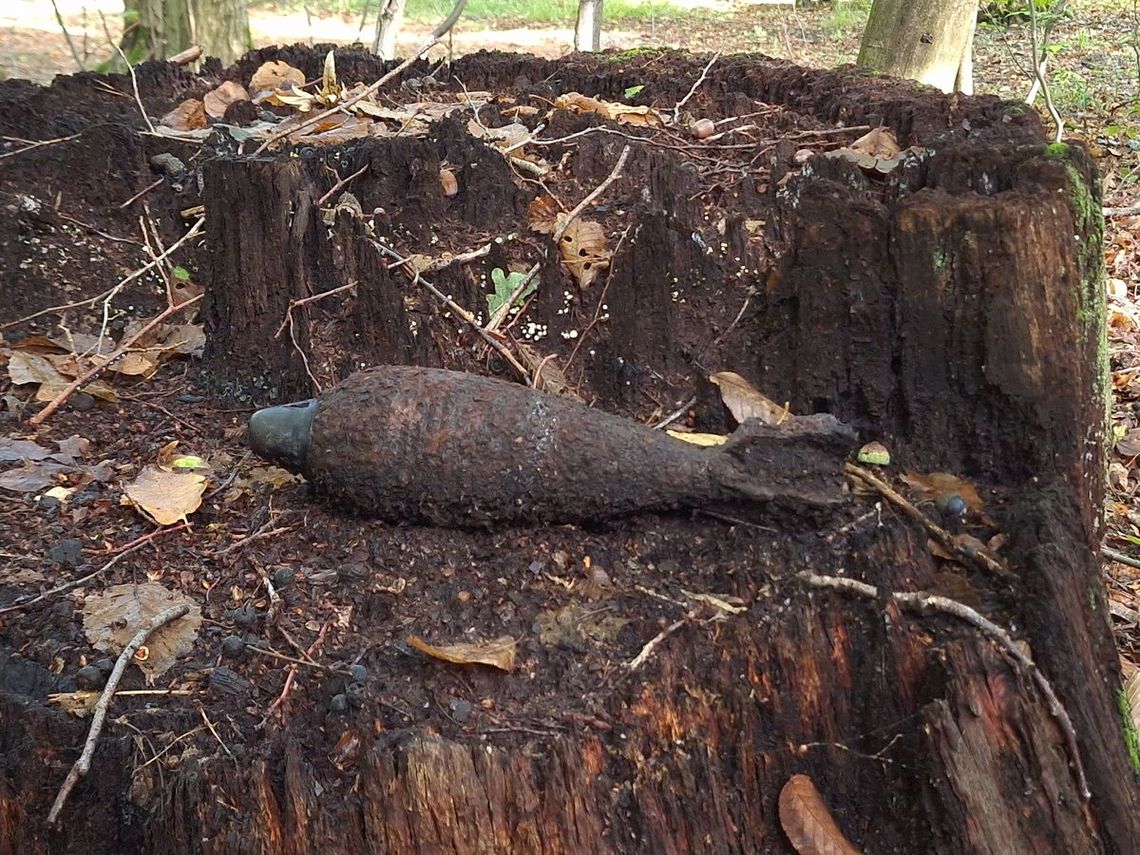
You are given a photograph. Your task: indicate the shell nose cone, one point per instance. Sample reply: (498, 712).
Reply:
(281, 434)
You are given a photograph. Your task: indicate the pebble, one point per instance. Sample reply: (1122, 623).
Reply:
(338, 703)
(460, 709)
(90, 678)
(67, 552)
(243, 616)
(283, 577)
(358, 672)
(81, 402)
(233, 647)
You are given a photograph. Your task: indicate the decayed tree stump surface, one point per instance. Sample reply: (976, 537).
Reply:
(952, 310)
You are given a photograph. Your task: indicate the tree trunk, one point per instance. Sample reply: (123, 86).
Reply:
(157, 29)
(388, 28)
(953, 309)
(221, 27)
(588, 31)
(923, 40)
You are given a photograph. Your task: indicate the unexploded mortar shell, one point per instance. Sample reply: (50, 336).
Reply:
(281, 434)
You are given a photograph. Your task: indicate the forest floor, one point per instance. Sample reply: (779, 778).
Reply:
(259, 544)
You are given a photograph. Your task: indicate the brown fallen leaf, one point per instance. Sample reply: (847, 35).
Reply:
(541, 214)
(164, 496)
(111, 618)
(499, 653)
(583, 250)
(933, 484)
(187, 116)
(744, 401)
(807, 821)
(547, 375)
(274, 75)
(218, 99)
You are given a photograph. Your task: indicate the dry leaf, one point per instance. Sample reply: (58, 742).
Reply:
(31, 477)
(275, 75)
(547, 375)
(583, 250)
(576, 102)
(541, 215)
(111, 619)
(936, 484)
(807, 821)
(187, 116)
(21, 449)
(218, 99)
(166, 497)
(705, 440)
(448, 183)
(878, 143)
(1131, 691)
(744, 401)
(499, 653)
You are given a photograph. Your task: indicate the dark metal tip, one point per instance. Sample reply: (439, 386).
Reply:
(281, 434)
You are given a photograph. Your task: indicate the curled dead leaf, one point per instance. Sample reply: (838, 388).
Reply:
(448, 182)
(187, 116)
(274, 75)
(808, 822)
(541, 215)
(499, 653)
(745, 402)
(583, 251)
(934, 484)
(218, 99)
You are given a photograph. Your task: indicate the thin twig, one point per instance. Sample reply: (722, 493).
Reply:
(40, 144)
(944, 537)
(70, 44)
(601, 304)
(341, 184)
(564, 222)
(121, 553)
(84, 762)
(926, 603)
(1119, 557)
(310, 299)
(213, 730)
(457, 310)
(292, 675)
(141, 193)
(95, 370)
(348, 102)
(693, 90)
(676, 414)
(650, 645)
(110, 292)
(1038, 73)
(131, 71)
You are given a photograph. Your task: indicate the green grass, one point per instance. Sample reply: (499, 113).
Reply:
(848, 16)
(537, 11)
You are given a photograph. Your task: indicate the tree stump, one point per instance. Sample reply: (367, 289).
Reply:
(952, 309)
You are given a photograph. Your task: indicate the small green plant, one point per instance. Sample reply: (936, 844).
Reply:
(632, 91)
(505, 284)
(181, 274)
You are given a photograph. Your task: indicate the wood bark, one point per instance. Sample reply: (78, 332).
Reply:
(955, 311)
(388, 25)
(157, 29)
(923, 40)
(588, 29)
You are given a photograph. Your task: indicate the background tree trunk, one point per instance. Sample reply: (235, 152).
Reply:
(588, 31)
(157, 29)
(923, 40)
(388, 25)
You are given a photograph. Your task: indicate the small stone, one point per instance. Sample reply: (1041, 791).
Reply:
(67, 552)
(90, 678)
(460, 710)
(338, 703)
(243, 616)
(283, 577)
(81, 402)
(233, 647)
(358, 672)
(352, 572)
(226, 681)
(106, 664)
